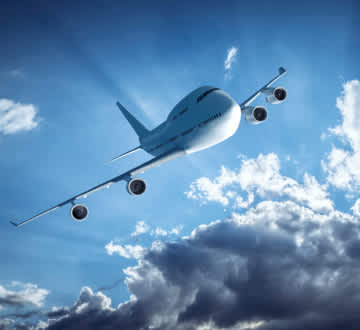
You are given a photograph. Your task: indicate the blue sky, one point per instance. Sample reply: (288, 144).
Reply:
(62, 68)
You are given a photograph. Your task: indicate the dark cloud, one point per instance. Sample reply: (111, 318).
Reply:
(23, 315)
(57, 313)
(21, 294)
(279, 265)
(12, 300)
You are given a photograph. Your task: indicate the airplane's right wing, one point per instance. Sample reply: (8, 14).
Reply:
(156, 161)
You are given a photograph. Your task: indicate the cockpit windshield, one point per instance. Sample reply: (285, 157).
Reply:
(206, 93)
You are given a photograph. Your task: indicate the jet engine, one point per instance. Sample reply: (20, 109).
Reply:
(79, 212)
(255, 115)
(275, 95)
(136, 186)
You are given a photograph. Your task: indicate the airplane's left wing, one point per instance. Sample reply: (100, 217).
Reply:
(156, 161)
(252, 98)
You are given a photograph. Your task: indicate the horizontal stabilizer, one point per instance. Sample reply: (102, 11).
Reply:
(125, 154)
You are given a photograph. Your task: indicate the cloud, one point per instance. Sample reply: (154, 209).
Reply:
(230, 59)
(159, 232)
(279, 265)
(127, 251)
(141, 228)
(162, 232)
(260, 176)
(356, 208)
(94, 305)
(16, 117)
(24, 315)
(21, 294)
(343, 164)
(4, 323)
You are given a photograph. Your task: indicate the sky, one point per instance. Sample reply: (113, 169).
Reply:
(259, 232)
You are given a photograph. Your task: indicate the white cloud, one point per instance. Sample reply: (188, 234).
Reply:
(141, 228)
(19, 294)
(16, 117)
(126, 251)
(162, 232)
(204, 189)
(356, 208)
(176, 230)
(240, 203)
(261, 177)
(89, 301)
(343, 164)
(230, 58)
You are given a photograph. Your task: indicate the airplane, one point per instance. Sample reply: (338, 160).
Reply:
(203, 118)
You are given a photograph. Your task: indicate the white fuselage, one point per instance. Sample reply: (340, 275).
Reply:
(203, 118)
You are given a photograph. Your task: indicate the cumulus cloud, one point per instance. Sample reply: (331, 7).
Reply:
(96, 305)
(20, 294)
(16, 117)
(230, 59)
(279, 265)
(343, 164)
(141, 228)
(127, 251)
(260, 176)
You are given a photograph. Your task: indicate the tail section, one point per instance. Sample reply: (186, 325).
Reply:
(139, 128)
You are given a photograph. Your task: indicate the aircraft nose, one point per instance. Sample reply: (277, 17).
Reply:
(233, 115)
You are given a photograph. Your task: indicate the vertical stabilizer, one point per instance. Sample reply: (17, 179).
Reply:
(139, 128)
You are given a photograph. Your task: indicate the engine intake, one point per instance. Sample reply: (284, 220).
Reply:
(79, 212)
(255, 115)
(275, 95)
(136, 186)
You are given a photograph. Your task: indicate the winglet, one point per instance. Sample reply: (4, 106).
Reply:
(14, 224)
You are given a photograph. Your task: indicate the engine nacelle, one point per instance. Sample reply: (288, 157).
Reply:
(275, 95)
(79, 212)
(136, 186)
(255, 115)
